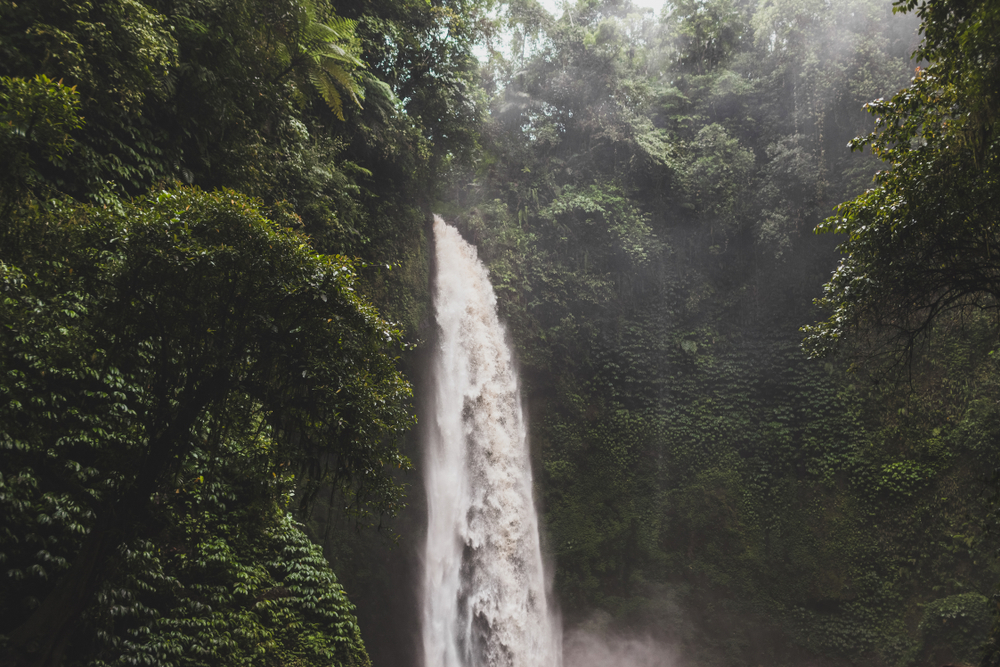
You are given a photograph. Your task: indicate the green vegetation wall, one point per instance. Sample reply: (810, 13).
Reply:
(645, 203)
(195, 195)
(193, 198)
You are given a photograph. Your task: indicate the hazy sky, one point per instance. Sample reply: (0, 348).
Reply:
(554, 5)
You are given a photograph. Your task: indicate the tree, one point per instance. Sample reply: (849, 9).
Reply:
(116, 55)
(707, 33)
(327, 52)
(923, 241)
(135, 345)
(37, 118)
(145, 366)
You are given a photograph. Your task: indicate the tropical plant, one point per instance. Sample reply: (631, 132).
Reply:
(135, 345)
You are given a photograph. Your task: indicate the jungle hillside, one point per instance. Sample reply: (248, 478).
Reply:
(744, 251)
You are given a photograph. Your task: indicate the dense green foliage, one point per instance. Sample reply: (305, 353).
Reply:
(186, 342)
(200, 201)
(180, 368)
(645, 209)
(921, 242)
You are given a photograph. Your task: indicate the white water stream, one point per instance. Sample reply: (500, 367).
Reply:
(485, 598)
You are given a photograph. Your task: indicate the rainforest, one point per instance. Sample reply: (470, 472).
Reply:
(745, 264)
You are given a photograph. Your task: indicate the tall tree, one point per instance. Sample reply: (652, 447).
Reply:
(923, 241)
(135, 344)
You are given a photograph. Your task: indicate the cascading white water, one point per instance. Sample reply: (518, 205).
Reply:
(485, 595)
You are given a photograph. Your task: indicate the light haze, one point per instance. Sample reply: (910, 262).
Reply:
(555, 7)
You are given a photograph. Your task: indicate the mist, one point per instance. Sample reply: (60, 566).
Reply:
(582, 649)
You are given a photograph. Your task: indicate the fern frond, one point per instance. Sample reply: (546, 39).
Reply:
(327, 90)
(344, 78)
(327, 53)
(345, 29)
(282, 55)
(337, 29)
(336, 52)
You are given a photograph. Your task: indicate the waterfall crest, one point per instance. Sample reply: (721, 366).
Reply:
(485, 598)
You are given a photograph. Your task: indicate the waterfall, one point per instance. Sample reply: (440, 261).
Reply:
(485, 599)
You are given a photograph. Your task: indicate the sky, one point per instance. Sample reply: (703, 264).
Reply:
(554, 5)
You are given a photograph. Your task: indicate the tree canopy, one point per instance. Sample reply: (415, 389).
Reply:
(141, 346)
(213, 264)
(922, 242)
(182, 367)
